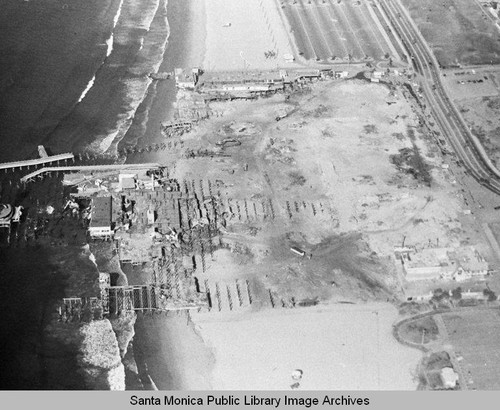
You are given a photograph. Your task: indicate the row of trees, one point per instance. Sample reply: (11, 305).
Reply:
(440, 295)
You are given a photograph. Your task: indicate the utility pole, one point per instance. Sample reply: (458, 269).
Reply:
(375, 312)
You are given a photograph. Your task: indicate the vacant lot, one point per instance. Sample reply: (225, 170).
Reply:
(474, 335)
(469, 37)
(299, 182)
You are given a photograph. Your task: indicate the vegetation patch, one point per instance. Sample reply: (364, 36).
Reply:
(370, 129)
(492, 103)
(420, 331)
(410, 161)
(296, 178)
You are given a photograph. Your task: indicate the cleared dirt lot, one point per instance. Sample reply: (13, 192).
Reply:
(458, 31)
(330, 30)
(344, 177)
(343, 172)
(474, 335)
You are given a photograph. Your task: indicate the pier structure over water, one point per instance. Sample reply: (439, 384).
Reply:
(117, 300)
(89, 168)
(36, 162)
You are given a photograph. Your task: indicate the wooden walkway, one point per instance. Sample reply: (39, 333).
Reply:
(89, 168)
(145, 298)
(36, 162)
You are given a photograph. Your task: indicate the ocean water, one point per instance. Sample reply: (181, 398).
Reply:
(157, 105)
(74, 73)
(49, 51)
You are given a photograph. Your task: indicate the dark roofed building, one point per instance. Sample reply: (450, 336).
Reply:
(101, 217)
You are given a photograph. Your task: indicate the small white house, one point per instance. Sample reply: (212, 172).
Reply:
(449, 377)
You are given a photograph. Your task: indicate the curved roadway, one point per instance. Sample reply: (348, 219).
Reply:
(467, 146)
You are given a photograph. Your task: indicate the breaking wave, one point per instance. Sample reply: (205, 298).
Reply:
(110, 40)
(109, 50)
(89, 86)
(137, 87)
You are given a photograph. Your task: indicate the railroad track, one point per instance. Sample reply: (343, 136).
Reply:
(466, 146)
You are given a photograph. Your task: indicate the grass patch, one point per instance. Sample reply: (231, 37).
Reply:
(416, 331)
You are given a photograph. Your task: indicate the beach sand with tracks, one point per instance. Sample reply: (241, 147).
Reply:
(337, 347)
(239, 33)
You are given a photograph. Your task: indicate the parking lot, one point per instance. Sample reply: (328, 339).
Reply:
(332, 30)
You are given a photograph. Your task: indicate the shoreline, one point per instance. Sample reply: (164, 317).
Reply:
(245, 350)
(99, 121)
(171, 354)
(157, 362)
(185, 49)
(177, 354)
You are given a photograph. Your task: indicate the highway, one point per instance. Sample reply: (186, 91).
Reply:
(467, 147)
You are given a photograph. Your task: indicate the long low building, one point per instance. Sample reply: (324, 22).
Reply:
(457, 264)
(101, 222)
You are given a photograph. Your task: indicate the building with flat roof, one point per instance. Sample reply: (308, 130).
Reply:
(428, 264)
(459, 264)
(101, 219)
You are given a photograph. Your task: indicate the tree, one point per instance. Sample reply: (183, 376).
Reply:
(491, 295)
(440, 295)
(456, 293)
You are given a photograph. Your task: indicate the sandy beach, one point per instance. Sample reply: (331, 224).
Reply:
(338, 347)
(230, 26)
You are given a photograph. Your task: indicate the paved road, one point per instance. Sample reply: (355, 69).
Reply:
(467, 147)
(443, 331)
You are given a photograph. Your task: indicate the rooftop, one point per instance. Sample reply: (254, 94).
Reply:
(101, 211)
(241, 76)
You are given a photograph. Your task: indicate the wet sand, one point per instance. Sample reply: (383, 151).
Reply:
(171, 353)
(185, 49)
